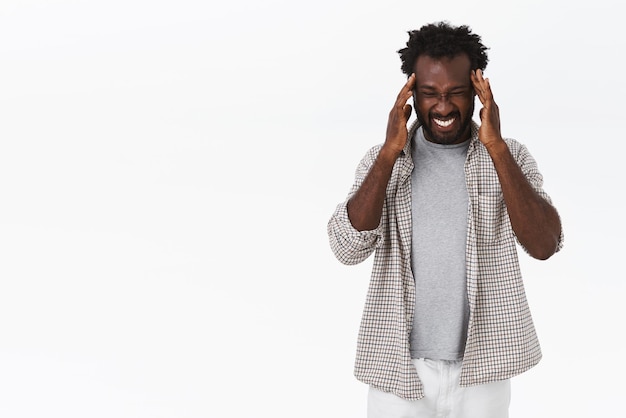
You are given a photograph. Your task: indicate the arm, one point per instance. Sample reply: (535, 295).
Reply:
(535, 221)
(349, 245)
(365, 207)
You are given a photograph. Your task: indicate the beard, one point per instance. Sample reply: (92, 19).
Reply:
(449, 137)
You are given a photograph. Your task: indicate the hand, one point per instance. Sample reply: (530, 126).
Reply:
(397, 133)
(489, 132)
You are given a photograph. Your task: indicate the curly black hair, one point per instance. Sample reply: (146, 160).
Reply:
(440, 39)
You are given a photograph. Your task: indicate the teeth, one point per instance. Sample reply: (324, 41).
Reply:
(443, 123)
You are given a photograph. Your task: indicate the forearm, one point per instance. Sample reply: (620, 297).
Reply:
(365, 207)
(534, 220)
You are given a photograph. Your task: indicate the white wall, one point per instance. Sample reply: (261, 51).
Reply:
(167, 169)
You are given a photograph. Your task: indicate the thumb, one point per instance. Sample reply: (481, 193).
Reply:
(407, 111)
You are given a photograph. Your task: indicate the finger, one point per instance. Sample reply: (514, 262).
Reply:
(403, 97)
(477, 82)
(487, 89)
(410, 82)
(407, 89)
(485, 85)
(482, 86)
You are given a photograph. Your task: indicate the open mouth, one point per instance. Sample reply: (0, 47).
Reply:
(443, 123)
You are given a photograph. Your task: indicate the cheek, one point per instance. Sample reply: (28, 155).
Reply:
(470, 111)
(421, 112)
(420, 107)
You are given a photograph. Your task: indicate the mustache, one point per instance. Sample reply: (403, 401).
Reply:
(440, 116)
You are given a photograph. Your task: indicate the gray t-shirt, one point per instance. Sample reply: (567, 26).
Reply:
(439, 203)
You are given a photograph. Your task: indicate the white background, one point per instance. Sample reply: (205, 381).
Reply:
(167, 169)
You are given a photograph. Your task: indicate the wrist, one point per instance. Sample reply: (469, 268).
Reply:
(389, 153)
(496, 147)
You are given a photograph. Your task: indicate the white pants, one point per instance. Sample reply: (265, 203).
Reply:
(444, 398)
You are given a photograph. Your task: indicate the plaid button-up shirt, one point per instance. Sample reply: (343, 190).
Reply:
(501, 338)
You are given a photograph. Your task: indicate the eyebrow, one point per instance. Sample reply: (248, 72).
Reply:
(433, 88)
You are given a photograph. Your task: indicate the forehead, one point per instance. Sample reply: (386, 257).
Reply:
(442, 71)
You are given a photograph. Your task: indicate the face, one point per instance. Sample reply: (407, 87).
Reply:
(444, 98)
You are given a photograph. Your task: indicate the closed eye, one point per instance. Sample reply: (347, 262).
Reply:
(431, 94)
(459, 93)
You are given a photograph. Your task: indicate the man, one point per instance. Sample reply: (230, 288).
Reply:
(446, 323)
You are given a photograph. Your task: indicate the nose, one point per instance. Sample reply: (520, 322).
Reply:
(443, 103)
